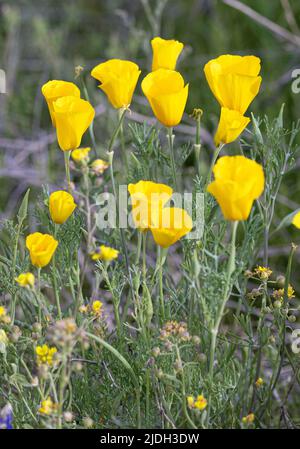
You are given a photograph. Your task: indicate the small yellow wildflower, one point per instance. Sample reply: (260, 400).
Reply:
(248, 419)
(2, 311)
(81, 154)
(263, 272)
(200, 403)
(105, 253)
(96, 307)
(25, 280)
(279, 294)
(259, 382)
(99, 166)
(48, 407)
(45, 355)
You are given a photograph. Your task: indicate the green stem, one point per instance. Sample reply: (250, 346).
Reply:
(160, 281)
(39, 293)
(184, 399)
(123, 149)
(170, 137)
(67, 168)
(214, 159)
(197, 145)
(13, 274)
(230, 270)
(54, 282)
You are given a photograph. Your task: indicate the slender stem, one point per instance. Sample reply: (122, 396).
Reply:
(39, 293)
(91, 127)
(230, 270)
(67, 168)
(170, 137)
(160, 281)
(185, 410)
(197, 145)
(215, 157)
(13, 273)
(144, 255)
(139, 246)
(54, 282)
(123, 149)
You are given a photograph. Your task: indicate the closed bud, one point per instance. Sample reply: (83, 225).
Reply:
(280, 281)
(292, 318)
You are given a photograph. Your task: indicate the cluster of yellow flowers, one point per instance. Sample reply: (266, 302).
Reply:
(48, 407)
(199, 403)
(45, 355)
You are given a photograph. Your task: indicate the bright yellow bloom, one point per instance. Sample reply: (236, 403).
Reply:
(41, 248)
(234, 80)
(98, 166)
(248, 419)
(200, 402)
(296, 220)
(3, 337)
(170, 225)
(61, 206)
(147, 199)
(97, 307)
(105, 253)
(73, 116)
(81, 154)
(55, 89)
(263, 272)
(118, 80)
(25, 280)
(165, 53)
(259, 382)
(167, 95)
(238, 182)
(45, 355)
(48, 407)
(2, 311)
(231, 125)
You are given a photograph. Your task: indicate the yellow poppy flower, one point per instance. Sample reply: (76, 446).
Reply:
(234, 80)
(73, 116)
(81, 154)
(238, 182)
(231, 125)
(105, 253)
(118, 80)
(170, 225)
(55, 89)
(167, 95)
(61, 206)
(41, 248)
(147, 199)
(165, 53)
(25, 280)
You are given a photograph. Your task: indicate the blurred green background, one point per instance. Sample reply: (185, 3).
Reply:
(42, 40)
